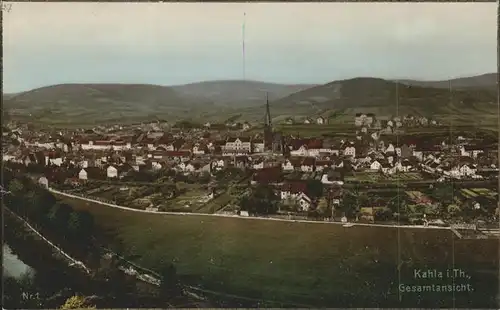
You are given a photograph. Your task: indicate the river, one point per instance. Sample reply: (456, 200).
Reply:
(12, 265)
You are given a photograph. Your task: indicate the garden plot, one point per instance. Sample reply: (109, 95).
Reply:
(375, 177)
(188, 201)
(418, 197)
(406, 176)
(478, 192)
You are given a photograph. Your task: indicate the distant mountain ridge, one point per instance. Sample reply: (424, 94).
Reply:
(115, 102)
(237, 92)
(488, 80)
(96, 103)
(342, 99)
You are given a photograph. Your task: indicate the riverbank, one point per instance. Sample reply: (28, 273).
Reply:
(12, 266)
(54, 279)
(300, 263)
(146, 295)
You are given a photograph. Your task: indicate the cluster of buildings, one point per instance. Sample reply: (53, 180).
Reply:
(285, 161)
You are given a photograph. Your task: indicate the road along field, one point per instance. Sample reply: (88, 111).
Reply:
(303, 264)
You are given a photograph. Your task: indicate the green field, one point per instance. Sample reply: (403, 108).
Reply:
(301, 264)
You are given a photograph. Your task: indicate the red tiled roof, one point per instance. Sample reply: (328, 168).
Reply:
(297, 143)
(295, 187)
(102, 142)
(268, 175)
(315, 144)
(177, 153)
(308, 161)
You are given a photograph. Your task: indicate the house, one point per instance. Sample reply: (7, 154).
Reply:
(179, 155)
(350, 151)
(241, 161)
(301, 151)
(332, 177)
(246, 126)
(56, 161)
(322, 164)
(82, 175)
(304, 202)
(308, 121)
(287, 165)
(375, 165)
(321, 120)
(308, 164)
(44, 182)
(405, 151)
(403, 166)
(470, 150)
(292, 189)
(240, 144)
(111, 172)
(289, 121)
(206, 168)
(258, 145)
(368, 121)
(191, 167)
(467, 170)
(387, 168)
(390, 149)
(359, 119)
(155, 165)
(218, 164)
(198, 149)
(259, 164)
(244, 213)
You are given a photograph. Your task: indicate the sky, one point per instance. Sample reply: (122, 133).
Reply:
(179, 43)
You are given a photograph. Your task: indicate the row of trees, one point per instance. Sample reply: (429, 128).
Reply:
(74, 231)
(41, 208)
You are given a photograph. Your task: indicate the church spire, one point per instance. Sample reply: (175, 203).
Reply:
(268, 113)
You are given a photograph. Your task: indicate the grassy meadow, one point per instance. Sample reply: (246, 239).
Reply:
(303, 264)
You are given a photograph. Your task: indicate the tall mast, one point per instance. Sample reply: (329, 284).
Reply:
(243, 45)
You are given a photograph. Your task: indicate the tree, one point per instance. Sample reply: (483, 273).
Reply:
(204, 177)
(169, 286)
(59, 216)
(169, 191)
(44, 201)
(16, 187)
(74, 224)
(397, 204)
(112, 278)
(314, 188)
(262, 200)
(383, 214)
(444, 193)
(76, 302)
(12, 293)
(291, 204)
(352, 201)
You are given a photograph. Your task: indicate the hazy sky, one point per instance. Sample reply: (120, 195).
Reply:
(52, 43)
